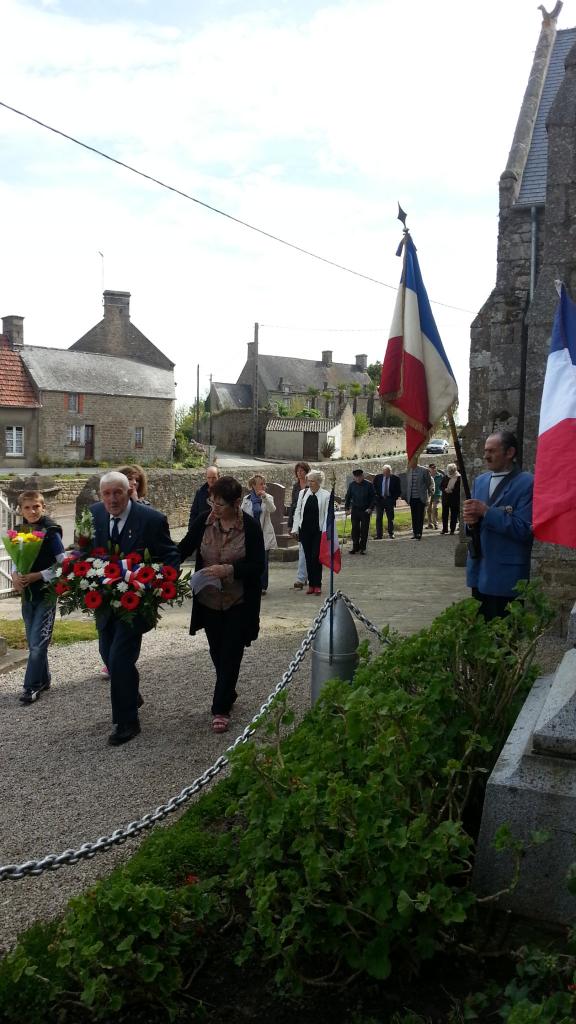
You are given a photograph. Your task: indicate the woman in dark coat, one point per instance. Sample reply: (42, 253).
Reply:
(229, 549)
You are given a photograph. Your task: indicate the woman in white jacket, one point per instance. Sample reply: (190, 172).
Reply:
(309, 523)
(260, 506)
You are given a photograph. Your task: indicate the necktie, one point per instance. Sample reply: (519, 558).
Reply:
(385, 487)
(115, 532)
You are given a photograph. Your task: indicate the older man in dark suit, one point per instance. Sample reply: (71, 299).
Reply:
(131, 527)
(387, 488)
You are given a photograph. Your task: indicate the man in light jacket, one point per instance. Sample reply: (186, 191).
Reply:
(417, 488)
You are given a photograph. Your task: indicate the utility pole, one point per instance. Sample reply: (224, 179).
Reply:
(198, 401)
(254, 432)
(210, 413)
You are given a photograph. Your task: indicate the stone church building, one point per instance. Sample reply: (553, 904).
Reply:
(510, 336)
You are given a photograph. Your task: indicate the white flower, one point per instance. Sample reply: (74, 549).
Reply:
(97, 563)
(156, 566)
(58, 571)
(84, 585)
(122, 586)
(92, 572)
(115, 604)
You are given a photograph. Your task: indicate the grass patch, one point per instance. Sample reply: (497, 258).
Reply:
(402, 521)
(68, 632)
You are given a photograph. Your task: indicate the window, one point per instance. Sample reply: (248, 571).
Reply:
(14, 440)
(74, 433)
(138, 437)
(73, 402)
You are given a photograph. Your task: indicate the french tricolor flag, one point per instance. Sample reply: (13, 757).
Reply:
(554, 504)
(417, 378)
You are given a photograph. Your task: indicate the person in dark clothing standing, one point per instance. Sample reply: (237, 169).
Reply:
(201, 498)
(387, 491)
(309, 523)
(300, 471)
(359, 501)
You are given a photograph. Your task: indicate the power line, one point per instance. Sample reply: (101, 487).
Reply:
(214, 209)
(327, 330)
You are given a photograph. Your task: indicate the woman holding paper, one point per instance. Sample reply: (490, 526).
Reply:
(230, 554)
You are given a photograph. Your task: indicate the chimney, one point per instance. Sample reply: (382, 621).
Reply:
(13, 328)
(327, 358)
(116, 304)
(361, 362)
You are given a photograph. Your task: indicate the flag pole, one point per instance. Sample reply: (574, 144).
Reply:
(459, 456)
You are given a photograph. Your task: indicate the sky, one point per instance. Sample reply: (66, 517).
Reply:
(307, 119)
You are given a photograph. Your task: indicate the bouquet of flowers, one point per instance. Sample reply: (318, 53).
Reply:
(23, 546)
(84, 529)
(129, 586)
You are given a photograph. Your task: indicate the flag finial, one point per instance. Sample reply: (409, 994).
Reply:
(402, 215)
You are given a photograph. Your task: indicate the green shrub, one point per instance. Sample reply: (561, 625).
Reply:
(351, 847)
(361, 424)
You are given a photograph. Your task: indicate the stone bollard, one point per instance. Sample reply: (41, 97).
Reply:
(344, 649)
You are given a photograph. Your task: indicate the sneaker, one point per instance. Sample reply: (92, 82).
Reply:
(104, 672)
(31, 696)
(298, 585)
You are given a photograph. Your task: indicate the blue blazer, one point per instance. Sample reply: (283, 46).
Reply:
(505, 536)
(144, 529)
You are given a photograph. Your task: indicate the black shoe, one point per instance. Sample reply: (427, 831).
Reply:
(123, 734)
(362, 551)
(31, 696)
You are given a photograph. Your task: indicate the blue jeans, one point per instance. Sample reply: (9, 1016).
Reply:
(38, 622)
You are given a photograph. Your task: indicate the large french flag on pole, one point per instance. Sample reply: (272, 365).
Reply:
(554, 504)
(417, 378)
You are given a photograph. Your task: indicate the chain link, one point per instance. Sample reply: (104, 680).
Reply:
(52, 861)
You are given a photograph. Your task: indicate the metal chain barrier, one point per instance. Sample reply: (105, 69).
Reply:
(14, 872)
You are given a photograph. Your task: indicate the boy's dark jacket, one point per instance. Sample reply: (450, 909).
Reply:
(45, 557)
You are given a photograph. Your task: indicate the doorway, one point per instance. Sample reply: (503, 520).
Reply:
(310, 447)
(89, 441)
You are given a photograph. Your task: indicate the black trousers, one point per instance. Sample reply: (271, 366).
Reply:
(119, 644)
(450, 510)
(384, 505)
(360, 526)
(492, 606)
(226, 633)
(311, 543)
(417, 510)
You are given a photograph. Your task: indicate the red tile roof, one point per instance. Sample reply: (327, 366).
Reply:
(15, 387)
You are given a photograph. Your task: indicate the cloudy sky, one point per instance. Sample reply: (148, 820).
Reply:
(308, 119)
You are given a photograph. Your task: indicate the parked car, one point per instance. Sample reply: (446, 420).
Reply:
(437, 446)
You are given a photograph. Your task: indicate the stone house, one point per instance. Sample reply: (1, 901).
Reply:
(19, 405)
(510, 336)
(285, 382)
(109, 397)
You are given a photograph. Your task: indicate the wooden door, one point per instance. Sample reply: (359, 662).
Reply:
(89, 441)
(310, 447)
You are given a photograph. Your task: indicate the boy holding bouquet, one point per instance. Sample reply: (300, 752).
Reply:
(37, 611)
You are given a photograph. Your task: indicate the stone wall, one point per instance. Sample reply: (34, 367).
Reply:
(114, 420)
(232, 430)
(380, 441)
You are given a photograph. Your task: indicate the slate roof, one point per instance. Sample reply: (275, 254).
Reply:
(135, 345)
(16, 390)
(233, 396)
(302, 424)
(533, 186)
(302, 374)
(93, 373)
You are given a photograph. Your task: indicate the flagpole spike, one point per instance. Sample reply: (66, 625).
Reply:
(402, 215)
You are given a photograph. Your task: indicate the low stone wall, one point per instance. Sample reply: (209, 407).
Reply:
(380, 441)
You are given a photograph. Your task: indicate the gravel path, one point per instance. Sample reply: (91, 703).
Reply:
(62, 785)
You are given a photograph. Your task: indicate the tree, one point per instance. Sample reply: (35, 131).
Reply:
(374, 371)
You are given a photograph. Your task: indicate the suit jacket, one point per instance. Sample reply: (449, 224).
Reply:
(393, 487)
(200, 503)
(505, 536)
(425, 486)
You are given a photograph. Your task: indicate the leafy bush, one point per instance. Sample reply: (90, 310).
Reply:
(327, 448)
(351, 848)
(361, 424)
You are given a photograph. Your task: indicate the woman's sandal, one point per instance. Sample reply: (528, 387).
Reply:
(220, 723)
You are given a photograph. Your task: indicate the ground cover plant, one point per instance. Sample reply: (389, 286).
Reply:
(327, 878)
(69, 632)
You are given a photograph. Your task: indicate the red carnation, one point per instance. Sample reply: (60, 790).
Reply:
(92, 599)
(169, 572)
(82, 568)
(145, 574)
(99, 553)
(168, 591)
(132, 559)
(112, 571)
(129, 600)
(61, 587)
(191, 880)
